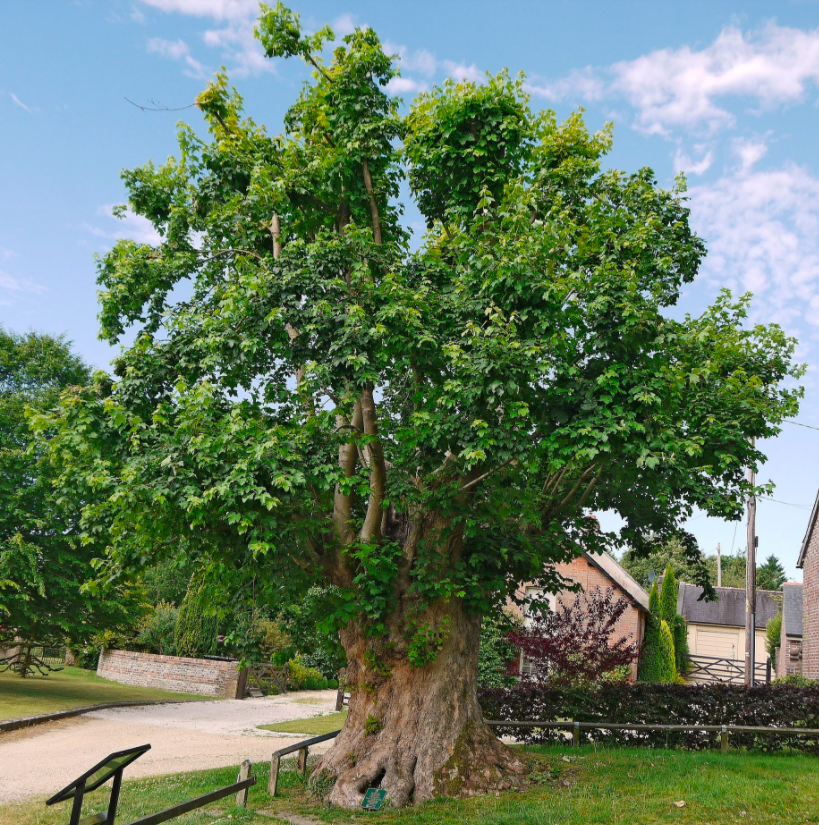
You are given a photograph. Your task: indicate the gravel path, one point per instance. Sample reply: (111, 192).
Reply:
(188, 736)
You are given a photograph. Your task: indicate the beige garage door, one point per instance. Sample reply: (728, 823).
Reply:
(721, 643)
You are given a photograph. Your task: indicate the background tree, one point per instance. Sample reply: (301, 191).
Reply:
(671, 553)
(771, 574)
(43, 564)
(578, 642)
(421, 429)
(497, 653)
(773, 637)
(196, 630)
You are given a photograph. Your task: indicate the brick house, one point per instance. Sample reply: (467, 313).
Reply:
(593, 571)
(789, 655)
(808, 561)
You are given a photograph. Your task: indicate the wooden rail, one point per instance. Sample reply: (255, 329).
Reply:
(302, 748)
(723, 730)
(238, 788)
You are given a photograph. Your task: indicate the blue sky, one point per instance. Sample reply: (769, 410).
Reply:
(727, 92)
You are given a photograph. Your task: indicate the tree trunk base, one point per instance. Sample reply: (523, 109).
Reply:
(416, 732)
(478, 763)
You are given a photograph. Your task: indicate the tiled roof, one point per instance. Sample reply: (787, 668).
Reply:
(792, 608)
(618, 575)
(728, 608)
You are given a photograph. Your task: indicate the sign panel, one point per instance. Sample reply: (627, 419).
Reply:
(373, 799)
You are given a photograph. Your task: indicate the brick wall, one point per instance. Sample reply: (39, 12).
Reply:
(810, 620)
(590, 577)
(201, 676)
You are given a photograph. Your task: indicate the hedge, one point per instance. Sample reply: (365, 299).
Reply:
(768, 706)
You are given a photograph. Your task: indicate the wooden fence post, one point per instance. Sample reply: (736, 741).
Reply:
(301, 763)
(244, 773)
(723, 739)
(273, 779)
(576, 735)
(340, 694)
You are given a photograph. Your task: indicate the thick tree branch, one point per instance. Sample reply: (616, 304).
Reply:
(276, 235)
(376, 218)
(343, 502)
(488, 473)
(371, 529)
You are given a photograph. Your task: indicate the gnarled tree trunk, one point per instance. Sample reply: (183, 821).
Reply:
(415, 731)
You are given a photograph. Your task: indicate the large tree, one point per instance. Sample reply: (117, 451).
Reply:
(307, 399)
(44, 566)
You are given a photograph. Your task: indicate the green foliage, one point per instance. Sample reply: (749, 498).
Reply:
(373, 725)
(796, 680)
(771, 574)
(196, 630)
(733, 569)
(165, 581)
(157, 633)
(302, 677)
(666, 658)
(773, 636)
(496, 652)
(668, 596)
(672, 553)
(654, 600)
(44, 564)
(681, 651)
(421, 429)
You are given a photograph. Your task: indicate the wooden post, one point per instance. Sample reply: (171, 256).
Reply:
(340, 694)
(244, 773)
(301, 761)
(273, 779)
(723, 740)
(750, 585)
(576, 735)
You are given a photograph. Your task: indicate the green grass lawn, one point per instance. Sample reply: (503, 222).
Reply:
(310, 727)
(69, 688)
(600, 787)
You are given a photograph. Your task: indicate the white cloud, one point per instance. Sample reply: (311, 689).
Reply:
(580, 85)
(9, 283)
(131, 226)
(405, 85)
(240, 47)
(687, 88)
(684, 163)
(681, 87)
(419, 60)
(762, 231)
(749, 152)
(20, 103)
(343, 25)
(177, 50)
(218, 9)
(460, 71)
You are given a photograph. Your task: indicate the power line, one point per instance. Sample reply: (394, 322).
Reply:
(788, 503)
(800, 424)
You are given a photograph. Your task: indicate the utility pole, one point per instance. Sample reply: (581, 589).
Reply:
(750, 584)
(719, 566)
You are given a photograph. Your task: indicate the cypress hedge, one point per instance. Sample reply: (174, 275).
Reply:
(196, 633)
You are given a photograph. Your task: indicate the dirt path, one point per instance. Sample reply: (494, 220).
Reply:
(189, 736)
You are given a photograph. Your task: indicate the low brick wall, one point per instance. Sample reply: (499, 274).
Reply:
(201, 676)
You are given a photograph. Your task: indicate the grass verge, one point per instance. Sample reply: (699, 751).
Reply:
(601, 787)
(69, 688)
(314, 726)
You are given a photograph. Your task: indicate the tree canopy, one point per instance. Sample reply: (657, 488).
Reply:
(309, 398)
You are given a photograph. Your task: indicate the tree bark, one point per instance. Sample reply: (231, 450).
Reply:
(417, 732)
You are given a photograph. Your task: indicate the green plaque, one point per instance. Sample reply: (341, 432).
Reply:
(373, 799)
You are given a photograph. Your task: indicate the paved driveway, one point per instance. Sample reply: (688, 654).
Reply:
(188, 736)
